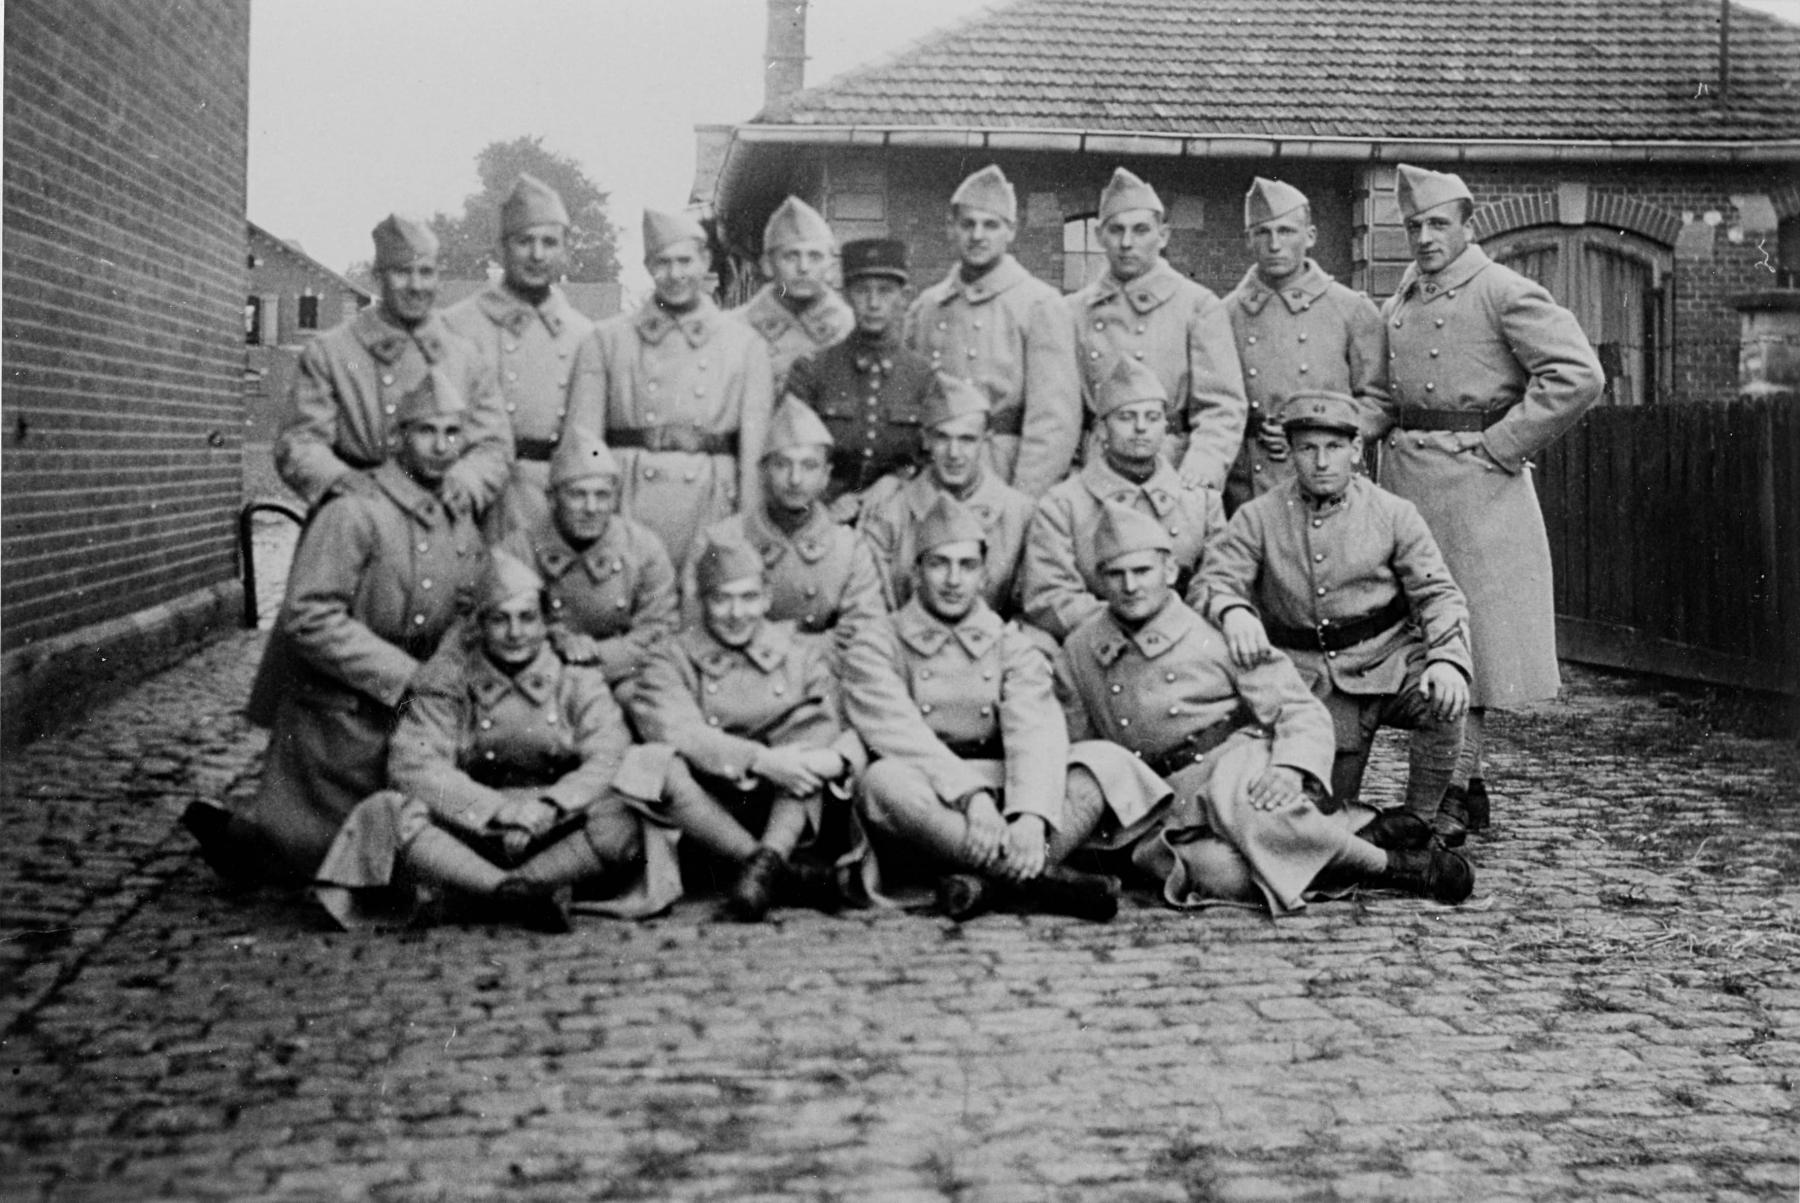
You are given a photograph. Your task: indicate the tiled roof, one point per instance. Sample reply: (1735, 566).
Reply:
(1475, 69)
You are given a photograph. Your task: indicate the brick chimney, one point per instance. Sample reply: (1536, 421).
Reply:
(784, 58)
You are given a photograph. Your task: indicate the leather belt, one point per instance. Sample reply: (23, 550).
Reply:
(539, 450)
(1010, 420)
(358, 463)
(978, 749)
(1412, 417)
(1188, 751)
(1331, 636)
(674, 436)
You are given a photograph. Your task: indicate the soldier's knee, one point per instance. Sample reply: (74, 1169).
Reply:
(890, 791)
(615, 834)
(1217, 870)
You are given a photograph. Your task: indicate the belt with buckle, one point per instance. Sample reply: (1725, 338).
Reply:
(1413, 417)
(674, 436)
(539, 450)
(1336, 636)
(1193, 748)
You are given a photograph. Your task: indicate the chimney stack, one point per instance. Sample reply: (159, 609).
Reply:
(784, 58)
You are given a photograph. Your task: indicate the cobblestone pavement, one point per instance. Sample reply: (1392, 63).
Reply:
(1615, 1015)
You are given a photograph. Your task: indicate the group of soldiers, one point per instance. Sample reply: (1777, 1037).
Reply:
(989, 591)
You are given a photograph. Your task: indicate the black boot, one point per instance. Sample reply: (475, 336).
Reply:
(962, 896)
(760, 879)
(1478, 804)
(1451, 823)
(1060, 891)
(534, 905)
(1395, 829)
(1434, 872)
(222, 851)
(828, 888)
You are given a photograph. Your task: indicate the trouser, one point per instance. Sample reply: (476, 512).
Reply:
(1431, 753)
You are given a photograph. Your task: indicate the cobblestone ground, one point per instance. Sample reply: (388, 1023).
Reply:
(1615, 1015)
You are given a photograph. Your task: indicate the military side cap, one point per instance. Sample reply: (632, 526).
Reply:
(990, 191)
(794, 424)
(795, 222)
(580, 454)
(1418, 189)
(723, 563)
(433, 397)
(948, 521)
(663, 230)
(1128, 383)
(951, 398)
(1123, 530)
(1320, 411)
(531, 203)
(1125, 192)
(876, 257)
(401, 241)
(1269, 199)
(504, 577)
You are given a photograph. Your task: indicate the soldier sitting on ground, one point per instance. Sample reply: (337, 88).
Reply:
(753, 710)
(502, 775)
(1247, 752)
(1344, 578)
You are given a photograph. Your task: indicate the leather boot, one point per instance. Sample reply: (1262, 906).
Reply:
(1478, 805)
(1392, 829)
(223, 852)
(758, 882)
(828, 888)
(962, 896)
(1433, 872)
(534, 905)
(1060, 891)
(1451, 823)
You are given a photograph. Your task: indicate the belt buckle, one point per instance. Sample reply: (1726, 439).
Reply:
(1321, 632)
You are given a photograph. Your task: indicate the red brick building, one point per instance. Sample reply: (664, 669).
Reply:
(1614, 156)
(124, 278)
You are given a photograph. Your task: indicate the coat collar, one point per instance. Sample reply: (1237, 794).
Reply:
(927, 634)
(1007, 273)
(388, 342)
(419, 504)
(1299, 294)
(810, 542)
(1466, 267)
(871, 354)
(555, 557)
(1162, 490)
(1155, 637)
(1143, 294)
(514, 315)
(985, 502)
(654, 323)
(488, 685)
(824, 322)
(766, 652)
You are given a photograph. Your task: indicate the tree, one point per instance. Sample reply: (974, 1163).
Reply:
(467, 243)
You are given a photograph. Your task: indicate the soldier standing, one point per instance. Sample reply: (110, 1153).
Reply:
(1485, 371)
(681, 394)
(1144, 310)
(1297, 330)
(797, 311)
(993, 323)
(529, 332)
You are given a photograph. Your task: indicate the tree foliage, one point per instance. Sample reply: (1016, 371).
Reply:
(468, 241)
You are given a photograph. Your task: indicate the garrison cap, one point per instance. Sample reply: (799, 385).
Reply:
(1123, 530)
(663, 230)
(990, 191)
(580, 454)
(951, 398)
(949, 521)
(1125, 192)
(876, 257)
(1418, 189)
(1128, 383)
(723, 563)
(401, 241)
(1320, 411)
(794, 424)
(433, 397)
(793, 223)
(531, 203)
(1269, 199)
(504, 577)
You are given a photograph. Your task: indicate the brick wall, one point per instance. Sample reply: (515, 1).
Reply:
(124, 276)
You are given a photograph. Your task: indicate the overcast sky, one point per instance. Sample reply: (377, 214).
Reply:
(359, 107)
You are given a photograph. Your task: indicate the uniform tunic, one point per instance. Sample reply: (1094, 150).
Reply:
(1480, 338)
(340, 408)
(1009, 333)
(870, 393)
(890, 529)
(1151, 689)
(792, 336)
(698, 372)
(620, 590)
(1179, 330)
(1060, 576)
(1314, 334)
(821, 577)
(532, 348)
(376, 581)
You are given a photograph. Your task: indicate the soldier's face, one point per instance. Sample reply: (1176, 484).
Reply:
(951, 578)
(512, 631)
(1280, 245)
(1135, 432)
(980, 237)
(876, 301)
(534, 257)
(1438, 235)
(678, 272)
(734, 610)
(407, 292)
(954, 448)
(1133, 240)
(795, 477)
(1324, 460)
(1136, 585)
(801, 271)
(428, 447)
(583, 508)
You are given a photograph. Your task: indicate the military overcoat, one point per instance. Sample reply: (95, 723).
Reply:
(891, 530)
(820, 577)
(792, 336)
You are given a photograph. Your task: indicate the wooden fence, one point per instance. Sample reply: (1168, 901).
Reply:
(1675, 533)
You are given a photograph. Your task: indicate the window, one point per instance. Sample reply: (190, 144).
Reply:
(1617, 286)
(1083, 257)
(253, 322)
(307, 314)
